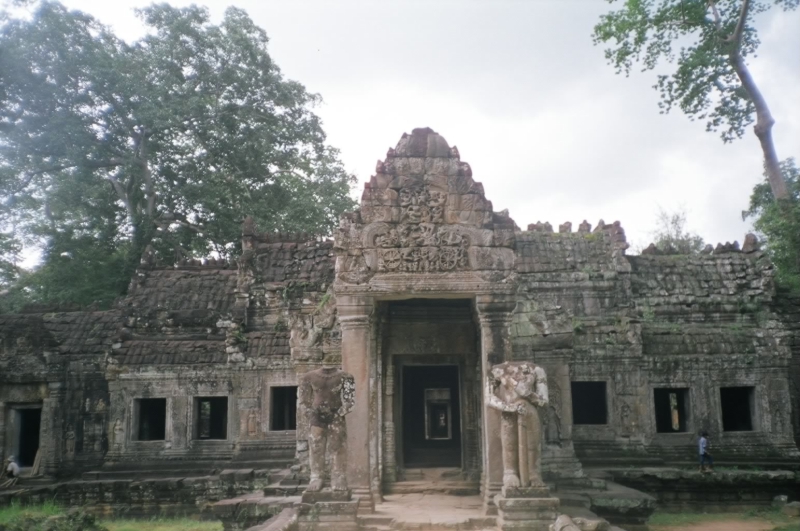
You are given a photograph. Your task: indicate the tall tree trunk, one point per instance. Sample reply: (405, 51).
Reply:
(764, 119)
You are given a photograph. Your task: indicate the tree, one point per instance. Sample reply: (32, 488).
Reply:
(709, 40)
(107, 147)
(779, 226)
(672, 236)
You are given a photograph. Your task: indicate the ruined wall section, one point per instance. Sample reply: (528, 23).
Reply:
(285, 315)
(55, 362)
(707, 323)
(573, 317)
(787, 306)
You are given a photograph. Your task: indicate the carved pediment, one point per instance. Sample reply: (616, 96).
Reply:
(423, 213)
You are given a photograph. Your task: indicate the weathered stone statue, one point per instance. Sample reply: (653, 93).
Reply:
(327, 395)
(517, 389)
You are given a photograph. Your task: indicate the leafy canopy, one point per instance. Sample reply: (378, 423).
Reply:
(699, 37)
(170, 141)
(779, 225)
(671, 235)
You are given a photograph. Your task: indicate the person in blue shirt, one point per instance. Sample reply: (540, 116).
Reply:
(704, 455)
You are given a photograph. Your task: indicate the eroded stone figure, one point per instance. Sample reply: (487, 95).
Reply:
(518, 389)
(327, 395)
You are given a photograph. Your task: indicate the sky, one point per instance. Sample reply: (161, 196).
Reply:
(547, 126)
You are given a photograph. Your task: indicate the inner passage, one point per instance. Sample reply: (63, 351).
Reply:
(431, 416)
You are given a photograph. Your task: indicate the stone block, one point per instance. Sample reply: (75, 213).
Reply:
(327, 495)
(791, 509)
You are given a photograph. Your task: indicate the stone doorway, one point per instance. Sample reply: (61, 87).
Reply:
(431, 389)
(26, 427)
(431, 416)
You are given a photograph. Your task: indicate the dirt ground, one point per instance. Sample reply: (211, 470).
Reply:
(722, 525)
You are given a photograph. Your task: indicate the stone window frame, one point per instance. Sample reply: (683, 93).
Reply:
(280, 382)
(133, 431)
(755, 413)
(611, 416)
(230, 428)
(691, 422)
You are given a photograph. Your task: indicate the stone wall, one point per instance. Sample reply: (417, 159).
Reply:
(571, 301)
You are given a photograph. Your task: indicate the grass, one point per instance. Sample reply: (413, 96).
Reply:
(161, 524)
(773, 516)
(15, 511)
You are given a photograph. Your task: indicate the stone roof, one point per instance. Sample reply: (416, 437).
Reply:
(182, 289)
(171, 352)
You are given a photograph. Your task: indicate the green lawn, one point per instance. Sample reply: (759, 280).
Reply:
(161, 524)
(773, 516)
(16, 512)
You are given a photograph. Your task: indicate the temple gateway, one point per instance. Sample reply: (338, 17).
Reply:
(420, 293)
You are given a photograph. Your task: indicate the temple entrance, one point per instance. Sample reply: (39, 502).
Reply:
(431, 390)
(431, 416)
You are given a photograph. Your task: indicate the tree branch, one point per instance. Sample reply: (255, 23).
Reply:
(736, 38)
(717, 18)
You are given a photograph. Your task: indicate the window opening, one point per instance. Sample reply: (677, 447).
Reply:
(152, 416)
(589, 404)
(211, 417)
(671, 409)
(283, 416)
(737, 408)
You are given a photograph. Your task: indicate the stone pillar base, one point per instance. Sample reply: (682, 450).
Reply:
(526, 509)
(328, 510)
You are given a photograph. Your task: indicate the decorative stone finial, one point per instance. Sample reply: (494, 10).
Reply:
(751, 243)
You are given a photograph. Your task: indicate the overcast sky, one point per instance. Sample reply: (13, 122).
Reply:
(550, 130)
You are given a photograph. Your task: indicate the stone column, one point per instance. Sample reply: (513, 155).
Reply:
(3, 455)
(52, 432)
(358, 358)
(494, 315)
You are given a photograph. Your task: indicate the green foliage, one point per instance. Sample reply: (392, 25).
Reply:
(15, 511)
(695, 35)
(169, 141)
(51, 517)
(162, 524)
(47, 518)
(778, 223)
(672, 236)
(648, 314)
(667, 520)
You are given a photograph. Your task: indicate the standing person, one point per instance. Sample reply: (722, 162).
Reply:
(703, 446)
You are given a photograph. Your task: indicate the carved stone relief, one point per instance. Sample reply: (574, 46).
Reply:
(423, 213)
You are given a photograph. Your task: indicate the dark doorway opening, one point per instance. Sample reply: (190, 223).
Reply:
(737, 408)
(589, 403)
(431, 416)
(211, 417)
(671, 409)
(152, 417)
(283, 413)
(30, 421)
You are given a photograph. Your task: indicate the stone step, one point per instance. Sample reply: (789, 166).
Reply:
(375, 520)
(573, 499)
(585, 519)
(452, 488)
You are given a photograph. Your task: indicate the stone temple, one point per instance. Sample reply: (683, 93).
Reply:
(194, 373)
